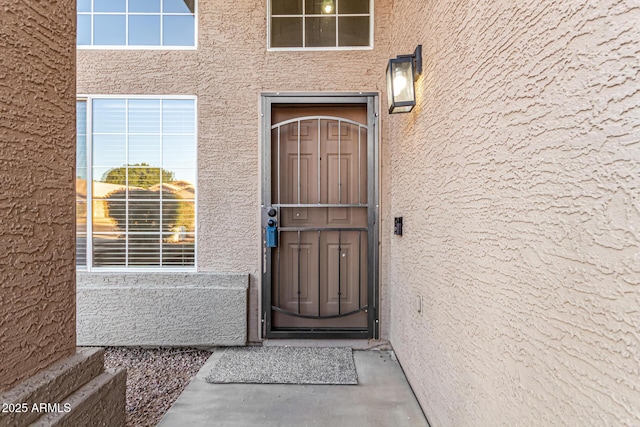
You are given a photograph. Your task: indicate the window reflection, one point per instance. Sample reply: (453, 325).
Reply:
(320, 23)
(109, 30)
(84, 29)
(149, 6)
(136, 23)
(178, 6)
(84, 5)
(109, 5)
(144, 183)
(178, 116)
(354, 6)
(144, 30)
(178, 30)
(320, 32)
(286, 7)
(109, 116)
(81, 183)
(109, 149)
(178, 150)
(354, 31)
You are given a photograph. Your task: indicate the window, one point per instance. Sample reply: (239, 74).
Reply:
(81, 183)
(320, 24)
(136, 23)
(142, 170)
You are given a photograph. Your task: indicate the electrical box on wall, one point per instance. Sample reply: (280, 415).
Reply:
(397, 226)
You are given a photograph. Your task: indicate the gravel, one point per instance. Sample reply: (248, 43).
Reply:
(155, 378)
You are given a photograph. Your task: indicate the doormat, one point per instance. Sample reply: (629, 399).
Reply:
(284, 365)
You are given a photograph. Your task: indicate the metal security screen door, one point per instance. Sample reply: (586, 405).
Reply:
(319, 216)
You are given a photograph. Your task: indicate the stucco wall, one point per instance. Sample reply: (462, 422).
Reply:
(228, 71)
(37, 129)
(518, 176)
(162, 309)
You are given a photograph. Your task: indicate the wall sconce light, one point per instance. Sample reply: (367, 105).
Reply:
(402, 72)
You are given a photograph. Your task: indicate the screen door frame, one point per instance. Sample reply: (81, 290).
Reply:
(371, 101)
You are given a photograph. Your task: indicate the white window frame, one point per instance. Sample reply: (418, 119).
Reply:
(89, 245)
(321, 48)
(126, 34)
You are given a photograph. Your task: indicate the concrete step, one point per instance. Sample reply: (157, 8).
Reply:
(101, 402)
(45, 393)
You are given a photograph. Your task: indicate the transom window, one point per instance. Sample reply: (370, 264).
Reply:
(139, 158)
(320, 24)
(137, 23)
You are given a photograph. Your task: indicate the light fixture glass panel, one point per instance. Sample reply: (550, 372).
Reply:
(390, 84)
(404, 109)
(353, 6)
(400, 86)
(144, 30)
(320, 32)
(109, 30)
(178, 30)
(403, 82)
(286, 32)
(286, 7)
(353, 31)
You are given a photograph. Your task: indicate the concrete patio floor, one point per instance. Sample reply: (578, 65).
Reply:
(382, 398)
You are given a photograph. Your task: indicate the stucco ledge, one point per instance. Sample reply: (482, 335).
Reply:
(162, 309)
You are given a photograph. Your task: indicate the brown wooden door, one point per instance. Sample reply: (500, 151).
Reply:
(319, 271)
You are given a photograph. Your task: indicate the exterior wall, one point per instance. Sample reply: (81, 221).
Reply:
(228, 71)
(203, 309)
(37, 128)
(518, 179)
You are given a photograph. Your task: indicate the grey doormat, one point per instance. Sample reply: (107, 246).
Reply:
(284, 365)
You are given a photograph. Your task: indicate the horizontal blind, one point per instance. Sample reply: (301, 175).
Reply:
(144, 183)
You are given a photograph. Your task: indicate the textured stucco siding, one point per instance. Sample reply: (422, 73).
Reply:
(518, 176)
(228, 71)
(162, 309)
(37, 148)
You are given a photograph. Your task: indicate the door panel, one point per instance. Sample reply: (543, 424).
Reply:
(323, 217)
(319, 187)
